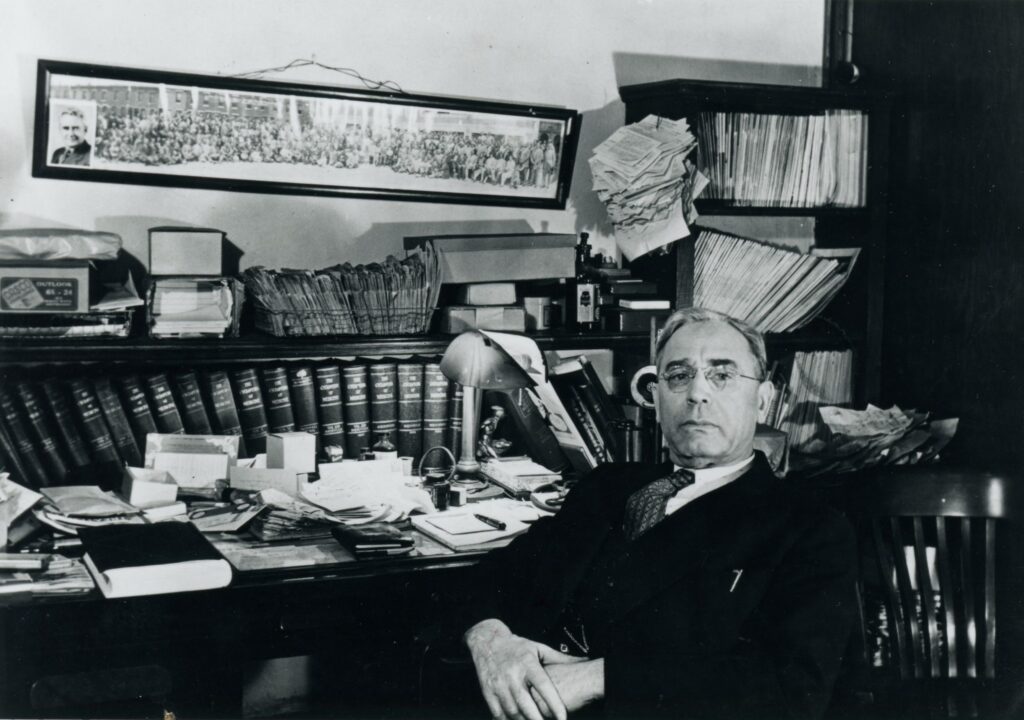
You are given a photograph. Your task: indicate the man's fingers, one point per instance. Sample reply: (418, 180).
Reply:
(541, 705)
(493, 704)
(541, 685)
(527, 706)
(548, 655)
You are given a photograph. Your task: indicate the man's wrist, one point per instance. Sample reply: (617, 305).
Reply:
(485, 630)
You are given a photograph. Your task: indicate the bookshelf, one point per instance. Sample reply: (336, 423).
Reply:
(855, 316)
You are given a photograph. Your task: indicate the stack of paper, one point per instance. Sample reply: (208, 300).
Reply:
(643, 176)
(479, 526)
(866, 438)
(773, 288)
(72, 507)
(818, 378)
(186, 306)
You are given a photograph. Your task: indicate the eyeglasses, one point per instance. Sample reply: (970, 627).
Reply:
(719, 377)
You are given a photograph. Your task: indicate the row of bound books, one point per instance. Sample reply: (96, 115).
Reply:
(56, 430)
(785, 160)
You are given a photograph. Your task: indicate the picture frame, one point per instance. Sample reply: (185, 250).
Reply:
(127, 125)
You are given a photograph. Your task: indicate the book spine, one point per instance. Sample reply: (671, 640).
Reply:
(94, 427)
(581, 417)
(251, 414)
(140, 417)
(190, 400)
(10, 459)
(410, 411)
(435, 406)
(384, 402)
(117, 421)
(64, 420)
(454, 434)
(597, 403)
(277, 399)
(224, 415)
(41, 429)
(32, 464)
(541, 444)
(161, 400)
(303, 395)
(357, 410)
(327, 380)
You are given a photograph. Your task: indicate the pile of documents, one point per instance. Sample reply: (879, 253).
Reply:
(206, 307)
(866, 438)
(817, 379)
(773, 288)
(643, 176)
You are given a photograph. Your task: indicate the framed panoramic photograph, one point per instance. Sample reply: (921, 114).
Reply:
(125, 125)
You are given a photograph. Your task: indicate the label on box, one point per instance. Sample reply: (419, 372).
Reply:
(27, 294)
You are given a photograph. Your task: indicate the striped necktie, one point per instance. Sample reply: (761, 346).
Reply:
(646, 507)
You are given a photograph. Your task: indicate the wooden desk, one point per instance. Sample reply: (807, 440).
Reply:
(363, 617)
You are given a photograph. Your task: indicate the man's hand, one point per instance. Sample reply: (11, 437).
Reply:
(511, 672)
(577, 683)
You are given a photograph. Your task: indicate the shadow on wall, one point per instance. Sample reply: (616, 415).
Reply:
(596, 127)
(635, 68)
(384, 234)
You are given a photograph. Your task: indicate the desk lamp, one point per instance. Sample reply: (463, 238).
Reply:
(478, 363)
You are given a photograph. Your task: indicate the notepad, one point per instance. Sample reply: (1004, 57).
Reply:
(459, 524)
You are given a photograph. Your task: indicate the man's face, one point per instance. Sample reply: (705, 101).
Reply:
(72, 128)
(705, 426)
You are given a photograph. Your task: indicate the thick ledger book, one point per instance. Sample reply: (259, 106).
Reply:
(190, 400)
(384, 402)
(454, 437)
(464, 532)
(251, 413)
(435, 406)
(373, 540)
(584, 421)
(161, 400)
(97, 434)
(152, 559)
(601, 411)
(534, 431)
(117, 421)
(64, 421)
(303, 395)
(42, 430)
(354, 384)
(10, 460)
(33, 469)
(410, 411)
(223, 413)
(140, 417)
(277, 400)
(327, 380)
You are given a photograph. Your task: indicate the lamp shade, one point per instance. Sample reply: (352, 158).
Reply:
(474, 360)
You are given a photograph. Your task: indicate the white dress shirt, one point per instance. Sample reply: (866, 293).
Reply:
(706, 480)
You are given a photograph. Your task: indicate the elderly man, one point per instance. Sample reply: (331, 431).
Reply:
(74, 130)
(709, 589)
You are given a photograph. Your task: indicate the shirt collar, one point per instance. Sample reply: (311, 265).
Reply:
(703, 475)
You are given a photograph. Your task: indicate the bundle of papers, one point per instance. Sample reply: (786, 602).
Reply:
(62, 576)
(866, 438)
(785, 160)
(194, 306)
(72, 507)
(642, 175)
(773, 288)
(479, 526)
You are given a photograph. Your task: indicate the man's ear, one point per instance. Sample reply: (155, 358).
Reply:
(764, 395)
(656, 394)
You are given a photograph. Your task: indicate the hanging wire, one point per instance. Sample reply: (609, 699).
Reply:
(350, 72)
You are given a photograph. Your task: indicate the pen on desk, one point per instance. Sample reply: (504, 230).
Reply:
(496, 524)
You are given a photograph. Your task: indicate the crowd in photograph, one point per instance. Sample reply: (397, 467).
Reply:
(154, 137)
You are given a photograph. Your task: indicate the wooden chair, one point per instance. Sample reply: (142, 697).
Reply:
(929, 612)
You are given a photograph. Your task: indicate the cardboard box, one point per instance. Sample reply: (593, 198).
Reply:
(258, 479)
(54, 286)
(458, 318)
(295, 451)
(487, 294)
(502, 258)
(144, 487)
(186, 251)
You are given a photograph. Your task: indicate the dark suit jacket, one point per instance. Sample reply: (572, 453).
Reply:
(80, 154)
(683, 637)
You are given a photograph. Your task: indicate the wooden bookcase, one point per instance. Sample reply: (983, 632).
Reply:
(855, 316)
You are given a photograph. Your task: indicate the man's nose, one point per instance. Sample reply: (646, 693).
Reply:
(699, 390)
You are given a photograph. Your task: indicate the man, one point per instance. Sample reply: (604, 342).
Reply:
(74, 129)
(715, 592)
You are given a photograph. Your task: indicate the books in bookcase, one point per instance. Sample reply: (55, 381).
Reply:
(252, 414)
(42, 431)
(435, 406)
(410, 410)
(277, 399)
(303, 399)
(384, 402)
(161, 402)
(117, 422)
(152, 559)
(190, 404)
(355, 398)
(331, 417)
(31, 468)
(94, 427)
(137, 409)
(596, 414)
(224, 417)
(64, 422)
(10, 458)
